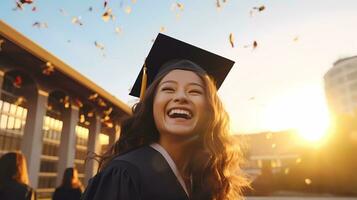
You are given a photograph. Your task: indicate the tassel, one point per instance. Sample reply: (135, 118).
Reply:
(143, 84)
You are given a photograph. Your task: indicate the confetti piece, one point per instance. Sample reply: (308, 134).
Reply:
(255, 44)
(218, 4)
(296, 39)
(98, 45)
(127, 10)
(90, 114)
(273, 146)
(26, 1)
(133, 1)
(90, 9)
(63, 12)
(1, 43)
(19, 6)
(78, 103)
(101, 102)
(231, 39)
(82, 119)
(308, 181)
(108, 15)
(87, 123)
(260, 8)
(77, 20)
(108, 124)
(93, 96)
(17, 82)
(20, 100)
(180, 6)
(118, 30)
(162, 29)
(108, 112)
(34, 9)
(49, 69)
(105, 3)
(40, 25)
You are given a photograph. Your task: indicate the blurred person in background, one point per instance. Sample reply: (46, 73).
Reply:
(14, 178)
(71, 187)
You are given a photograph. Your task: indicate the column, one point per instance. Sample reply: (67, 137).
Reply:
(93, 146)
(67, 148)
(31, 145)
(2, 74)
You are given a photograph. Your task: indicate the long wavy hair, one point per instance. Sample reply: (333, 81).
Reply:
(215, 164)
(13, 167)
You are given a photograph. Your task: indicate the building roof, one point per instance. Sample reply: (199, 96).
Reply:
(31, 47)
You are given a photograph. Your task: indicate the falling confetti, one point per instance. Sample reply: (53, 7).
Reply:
(180, 6)
(162, 29)
(87, 123)
(78, 103)
(20, 100)
(296, 39)
(93, 96)
(34, 9)
(101, 102)
(105, 3)
(107, 112)
(127, 10)
(1, 43)
(109, 124)
(77, 20)
(17, 82)
(218, 4)
(90, 9)
(40, 25)
(133, 1)
(63, 12)
(260, 8)
(108, 15)
(308, 181)
(19, 6)
(48, 69)
(90, 114)
(273, 146)
(118, 30)
(98, 45)
(255, 44)
(82, 118)
(231, 39)
(26, 1)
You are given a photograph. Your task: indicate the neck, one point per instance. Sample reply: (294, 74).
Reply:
(179, 150)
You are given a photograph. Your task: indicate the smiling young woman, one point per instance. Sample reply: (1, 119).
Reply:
(176, 145)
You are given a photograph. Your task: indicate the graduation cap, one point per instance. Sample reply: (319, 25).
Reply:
(167, 49)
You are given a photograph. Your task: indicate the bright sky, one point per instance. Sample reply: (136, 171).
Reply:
(276, 86)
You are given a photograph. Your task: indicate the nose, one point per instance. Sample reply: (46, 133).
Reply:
(180, 97)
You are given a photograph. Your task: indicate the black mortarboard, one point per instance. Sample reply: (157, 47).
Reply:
(166, 49)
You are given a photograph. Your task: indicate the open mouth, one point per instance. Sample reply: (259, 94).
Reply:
(179, 113)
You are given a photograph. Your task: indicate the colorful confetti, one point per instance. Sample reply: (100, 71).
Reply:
(162, 29)
(118, 30)
(127, 10)
(93, 96)
(20, 100)
(40, 25)
(17, 82)
(308, 181)
(231, 39)
(77, 21)
(108, 15)
(255, 44)
(108, 112)
(48, 69)
(98, 45)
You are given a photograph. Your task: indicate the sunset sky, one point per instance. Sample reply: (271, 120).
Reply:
(278, 85)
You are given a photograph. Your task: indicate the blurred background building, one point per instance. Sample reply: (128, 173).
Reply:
(341, 86)
(51, 113)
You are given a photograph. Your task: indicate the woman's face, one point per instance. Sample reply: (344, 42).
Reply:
(180, 104)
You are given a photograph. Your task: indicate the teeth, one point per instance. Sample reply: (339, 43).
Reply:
(179, 111)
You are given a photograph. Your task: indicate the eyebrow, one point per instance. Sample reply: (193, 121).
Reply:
(171, 81)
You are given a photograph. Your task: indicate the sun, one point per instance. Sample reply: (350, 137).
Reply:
(303, 109)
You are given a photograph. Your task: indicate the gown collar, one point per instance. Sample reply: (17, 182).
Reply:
(171, 163)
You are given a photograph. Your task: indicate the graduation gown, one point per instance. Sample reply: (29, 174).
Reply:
(142, 174)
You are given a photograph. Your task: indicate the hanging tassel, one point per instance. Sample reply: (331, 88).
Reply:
(143, 84)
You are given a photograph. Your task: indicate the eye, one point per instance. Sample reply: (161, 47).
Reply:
(167, 89)
(195, 92)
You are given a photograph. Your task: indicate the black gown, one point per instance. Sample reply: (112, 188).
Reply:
(141, 174)
(14, 190)
(62, 193)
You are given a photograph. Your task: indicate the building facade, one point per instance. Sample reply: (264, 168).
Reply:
(51, 113)
(341, 86)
